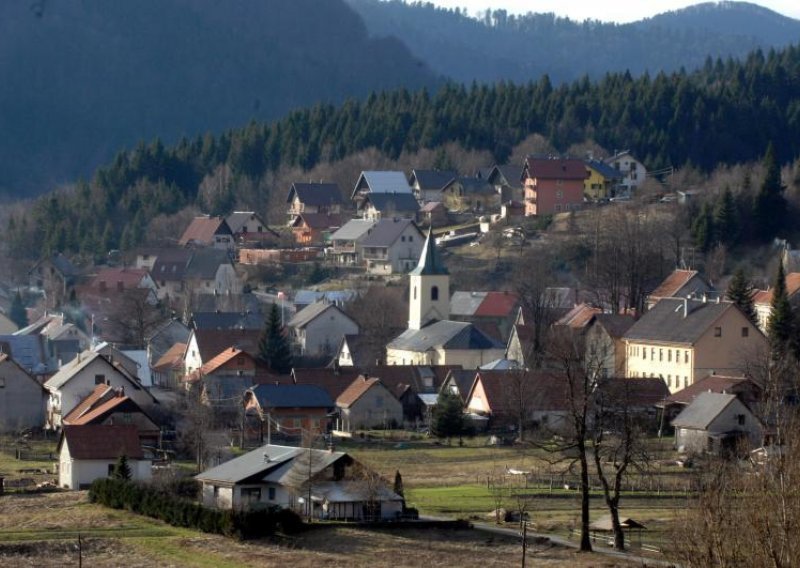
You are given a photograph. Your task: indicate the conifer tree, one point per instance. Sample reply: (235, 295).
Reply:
(781, 320)
(122, 470)
(17, 313)
(740, 292)
(398, 484)
(273, 346)
(769, 207)
(703, 229)
(448, 416)
(726, 222)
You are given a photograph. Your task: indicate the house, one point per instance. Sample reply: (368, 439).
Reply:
(520, 345)
(55, 276)
(579, 317)
(392, 246)
(470, 194)
(459, 382)
(746, 389)
(314, 229)
(717, 423)
(273, 410)
(164, 338)
(762, 299)
(428, 184)
(351, 351)
(59, 340)
(433, 214)
(30, 353)
(631, 170)
(205, 344)
(249, 228)
(682, 340)
(366, 404)
(331, 379)
(389, 206)
(318, 329)
(224, 379)
(91, 452)
(379, 182)
(110, 406)
(639, 398)
(304, 298)
(605, 348)
(492, 312)
(167, 370)
(507, 182)
(284, 476)
(22, 398)
(121, 279)
(75, 380)
(553, 185)
(207, 231)
(602, 181)
(345, 249)
(116, 356)
(181, 273)
(415, 386)
(681, 284)
(325, 198)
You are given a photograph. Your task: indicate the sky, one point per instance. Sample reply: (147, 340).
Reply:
(620, 11)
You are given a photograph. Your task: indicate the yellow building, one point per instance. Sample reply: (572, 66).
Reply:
(602, 180)
(683, 340)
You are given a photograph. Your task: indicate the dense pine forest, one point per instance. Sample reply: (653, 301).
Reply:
(726, 113)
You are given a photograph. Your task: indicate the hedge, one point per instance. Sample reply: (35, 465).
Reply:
(158, 504)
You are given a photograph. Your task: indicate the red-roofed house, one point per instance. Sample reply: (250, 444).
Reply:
(747, 390)
(225, 377)
(680, 284)
(367, 403)
(762, 299)
(120, 279)
(208, 231)
(315, 228)
(553, 185)
(87, 453)
(168, 370)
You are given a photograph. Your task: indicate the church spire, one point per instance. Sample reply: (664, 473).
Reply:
(429, 261)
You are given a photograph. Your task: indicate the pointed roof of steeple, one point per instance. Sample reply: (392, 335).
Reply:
(429, 261)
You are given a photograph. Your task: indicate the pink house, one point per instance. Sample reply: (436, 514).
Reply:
(553, 185)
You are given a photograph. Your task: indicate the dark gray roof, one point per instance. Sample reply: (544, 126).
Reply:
(171, 265)
(238, 219)
(387, 231)
(604, 169)
(703, 410)
(292, 396)
(311, 312)
(63, 265)
(429, 261)
(384, 181)
(444, 334)
(473, 185)
(227, 320)
(463, 379)
(510, 175)
(615, 324)
(205, 262)
(316, 194)
(338, 297)
(26, 351)
(666, 321)
(432, 179)
(393, 202)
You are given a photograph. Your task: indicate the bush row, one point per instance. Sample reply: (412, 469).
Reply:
(158, 504)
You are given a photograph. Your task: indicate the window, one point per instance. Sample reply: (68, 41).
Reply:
(669, 355)
(740, 419)
(415, 292)
(652, 353)
(559, 194)
(644, 353)
(686, 357)
(111, 467)
(669, 381)
(216, 492)
(2, 382)
(99, 379)
(685, 382)
(435, 293)
(402, 238)
(745, 332)
(717, 332)
(660, 354)
(271, 493)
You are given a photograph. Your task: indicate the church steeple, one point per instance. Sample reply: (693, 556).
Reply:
(429, 293)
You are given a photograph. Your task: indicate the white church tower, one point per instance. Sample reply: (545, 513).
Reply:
(429, 290)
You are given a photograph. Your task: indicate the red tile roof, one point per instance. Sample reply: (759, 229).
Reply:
(792, 287)
(202, 230)
(319, 221)
(172, 359)
(546, 391)
(555, 168)
(580, 316)
(712, 383)
(673, 283)
(212, 342)
(101, 442)
(101, 409)
(498, 304)
(356, 390)
(99, 392)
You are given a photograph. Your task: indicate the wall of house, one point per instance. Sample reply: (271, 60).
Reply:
(227, 281)
(217, 496)
(467, 358)
(676, 364)
(402, 357)
(77, 474)
(552, 196)
(192, 360)
(478, 402)
(324, 333)
(603, 351)
(728, 353)
(375, 408)
(595, 186)
(22, 399)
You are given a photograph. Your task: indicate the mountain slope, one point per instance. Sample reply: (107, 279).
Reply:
(83, 78)
(521, 48)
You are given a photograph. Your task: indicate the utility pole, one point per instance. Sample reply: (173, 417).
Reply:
(524, 540)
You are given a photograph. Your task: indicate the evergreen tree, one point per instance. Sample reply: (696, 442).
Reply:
(273, 346)
(781, 320)
(740, 292)
(448, 416)
(703, 229)
(398, 484)
(122, 470)
(769, 207)
(17, 313)
(726, 222)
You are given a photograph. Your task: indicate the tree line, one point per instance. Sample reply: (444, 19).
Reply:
(727, 112)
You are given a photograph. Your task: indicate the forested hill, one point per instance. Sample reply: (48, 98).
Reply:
(499, 46)
(725, 113)
(83, 78)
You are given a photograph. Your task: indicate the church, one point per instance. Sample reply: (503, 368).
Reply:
(431, 338)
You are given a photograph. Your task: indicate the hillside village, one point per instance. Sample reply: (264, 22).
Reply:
(241, 343)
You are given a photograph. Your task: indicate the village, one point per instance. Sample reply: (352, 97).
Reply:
(300, 367)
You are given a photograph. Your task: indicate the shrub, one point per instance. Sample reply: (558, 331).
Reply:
(168, 507)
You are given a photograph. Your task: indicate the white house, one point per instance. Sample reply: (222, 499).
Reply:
(392, 246)
(318, 329)
(75, 380)
(87, 453)
(341, 488)
(717, 423)
(632, 170)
